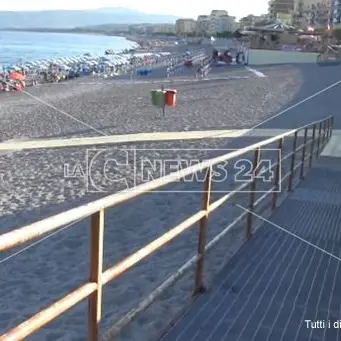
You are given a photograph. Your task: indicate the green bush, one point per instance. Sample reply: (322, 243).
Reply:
(225, 34)
(337, 34)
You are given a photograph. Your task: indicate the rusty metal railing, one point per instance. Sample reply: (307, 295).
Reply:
(92, 290)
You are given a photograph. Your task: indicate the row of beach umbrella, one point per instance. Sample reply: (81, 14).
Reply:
(83, 61)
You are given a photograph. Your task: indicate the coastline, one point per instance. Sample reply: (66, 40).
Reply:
(142, 43)
(127, 36)
(63, 31)
(96, 47)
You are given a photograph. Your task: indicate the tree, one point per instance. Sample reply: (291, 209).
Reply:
(320, 30)
(225, 34)
(262, 23)
(237, 34)
(337, 34)
(170, 34)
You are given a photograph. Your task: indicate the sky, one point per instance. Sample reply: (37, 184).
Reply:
(188, 9)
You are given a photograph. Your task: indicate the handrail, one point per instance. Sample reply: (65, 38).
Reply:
(97, 278)
(19, 236)
(46, 315)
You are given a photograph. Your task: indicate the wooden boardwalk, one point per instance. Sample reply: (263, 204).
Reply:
(289, 272)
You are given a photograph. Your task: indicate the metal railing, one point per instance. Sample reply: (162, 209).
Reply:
(310, 148)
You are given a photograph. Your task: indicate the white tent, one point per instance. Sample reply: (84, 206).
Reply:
(280, 26)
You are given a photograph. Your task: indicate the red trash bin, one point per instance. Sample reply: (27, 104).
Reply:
(170, 97)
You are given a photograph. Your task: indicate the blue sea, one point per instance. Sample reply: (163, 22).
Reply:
(29, 46)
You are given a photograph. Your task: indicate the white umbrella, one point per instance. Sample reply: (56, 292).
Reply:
(280, 26)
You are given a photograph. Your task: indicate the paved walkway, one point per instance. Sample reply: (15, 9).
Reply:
(142, 137)
(334, 146)
(287, 273)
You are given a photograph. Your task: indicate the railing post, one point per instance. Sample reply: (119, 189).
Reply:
(199, 274)
(95, 275)
(293, 157)
(277, 174)
(303, 153)
(331, 125)
(252, 193)
(324, 139)
(312, 146)
(318, 140)
(329, 128)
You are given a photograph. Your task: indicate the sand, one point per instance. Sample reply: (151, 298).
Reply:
(34, 186)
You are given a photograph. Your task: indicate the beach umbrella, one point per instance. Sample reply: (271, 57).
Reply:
(16, 76)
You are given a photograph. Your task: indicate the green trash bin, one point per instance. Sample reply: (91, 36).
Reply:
(154, 97)
(158, 97)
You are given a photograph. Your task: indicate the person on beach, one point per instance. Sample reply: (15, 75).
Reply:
(199, 72)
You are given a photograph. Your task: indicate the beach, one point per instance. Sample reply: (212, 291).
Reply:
(34, 186)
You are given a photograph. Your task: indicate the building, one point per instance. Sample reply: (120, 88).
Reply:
(185, 26)
(218, 13)
(335, 11)
(164, 28)
(315, 13)
(322, 14)
(253, 20)
(305, 4)
(152, 29)
(217, 22)
(224, 23)
(203, 25)
(302, 13)
(281, 7)
(138, 29)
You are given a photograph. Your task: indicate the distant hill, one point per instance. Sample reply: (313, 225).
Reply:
(71, 19)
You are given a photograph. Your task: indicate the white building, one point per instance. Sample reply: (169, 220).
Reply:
(219, 21)
(225, 23)
(316, 13)
(203, 25)
(185, 26)
(163, 28)
(218, 13)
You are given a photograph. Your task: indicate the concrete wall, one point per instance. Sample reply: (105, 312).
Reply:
(259, 57)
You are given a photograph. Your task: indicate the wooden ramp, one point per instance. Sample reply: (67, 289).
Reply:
(289, 272)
